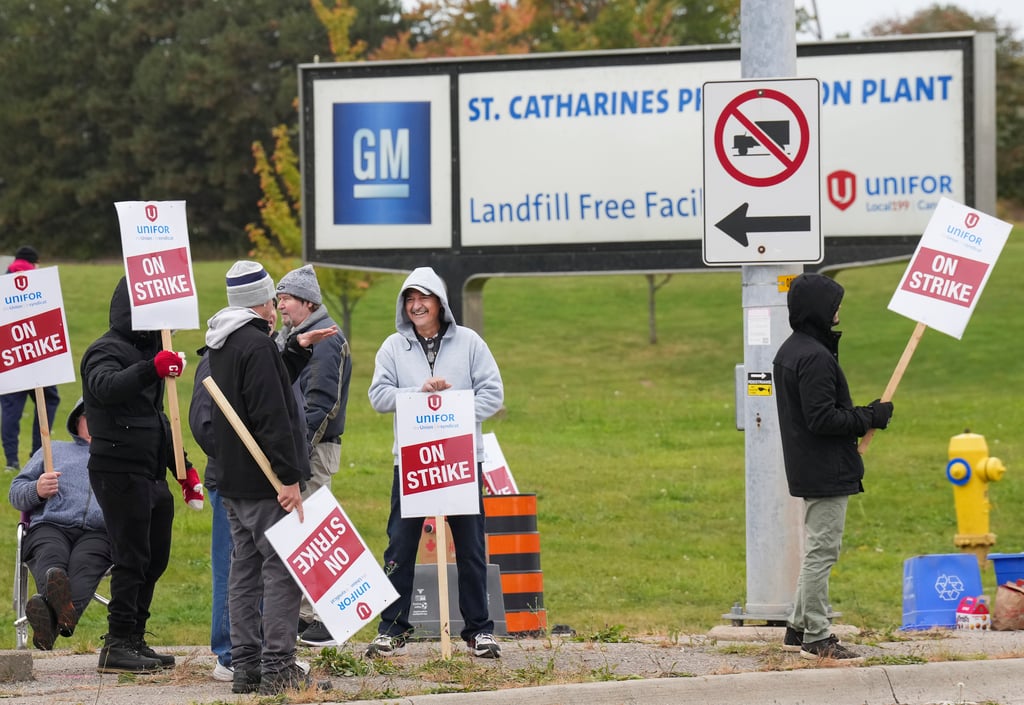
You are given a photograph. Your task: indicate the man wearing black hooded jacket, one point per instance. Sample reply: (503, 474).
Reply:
(819, 426)
(123, 375)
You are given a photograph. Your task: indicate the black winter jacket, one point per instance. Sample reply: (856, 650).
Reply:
(250, 372)
(123, 397)
(817, 419)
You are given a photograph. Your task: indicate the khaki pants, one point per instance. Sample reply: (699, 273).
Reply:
(824, 521)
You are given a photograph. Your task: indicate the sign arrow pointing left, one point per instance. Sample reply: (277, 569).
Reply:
(738, 224)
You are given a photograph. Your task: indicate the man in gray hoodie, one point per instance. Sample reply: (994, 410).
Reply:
(430, 352)
(66, 546)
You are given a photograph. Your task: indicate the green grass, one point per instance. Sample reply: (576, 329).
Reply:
(632, 448)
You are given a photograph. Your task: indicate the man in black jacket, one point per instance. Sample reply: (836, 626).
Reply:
(123, 375)
(820, 427)
(263, 599)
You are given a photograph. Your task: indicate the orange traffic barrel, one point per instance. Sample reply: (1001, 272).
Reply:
(510, 521)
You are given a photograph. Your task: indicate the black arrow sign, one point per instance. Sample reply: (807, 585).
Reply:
(738, 224)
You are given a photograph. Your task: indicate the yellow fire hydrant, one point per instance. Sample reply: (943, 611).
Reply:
(970, 469)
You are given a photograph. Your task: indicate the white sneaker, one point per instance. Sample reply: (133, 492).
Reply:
(223, 673)
(304, 665)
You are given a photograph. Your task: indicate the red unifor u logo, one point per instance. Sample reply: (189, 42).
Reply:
(434, 402)
(842, 188)
(151, 212)
(21, 282)
(971, 219)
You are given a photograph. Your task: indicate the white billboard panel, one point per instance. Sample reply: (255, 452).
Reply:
(524, 157)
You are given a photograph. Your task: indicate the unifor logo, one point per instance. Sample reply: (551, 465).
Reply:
(842, 188)
(21, 282)
(971, 219)
(381, 163)
(434, 402)
(363, 611)
(151, 212)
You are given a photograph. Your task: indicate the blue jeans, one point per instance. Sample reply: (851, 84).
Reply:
(220, 563)
(12, 406)
(470, 559)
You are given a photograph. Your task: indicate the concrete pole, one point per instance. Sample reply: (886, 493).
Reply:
(774, 519)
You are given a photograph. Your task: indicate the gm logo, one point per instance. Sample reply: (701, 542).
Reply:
(381, 163)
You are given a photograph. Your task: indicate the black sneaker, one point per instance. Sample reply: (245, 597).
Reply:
(119, 656)
(793, 641)
(139, 642)
(246, 680)
(829, 648)
(384, 646)
(291, 678)
(43, 622)
(58, 596)
(316, 634)
(484, 646)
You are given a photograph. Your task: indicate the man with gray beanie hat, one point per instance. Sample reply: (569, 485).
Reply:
(323, 385)
(263, 600)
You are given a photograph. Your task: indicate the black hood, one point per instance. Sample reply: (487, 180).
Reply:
(121, 317)
(813, 301)
(76, 413)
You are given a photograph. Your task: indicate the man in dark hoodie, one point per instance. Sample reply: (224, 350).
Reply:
(123, 374)
(820, 427)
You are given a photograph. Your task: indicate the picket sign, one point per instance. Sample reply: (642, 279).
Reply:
(944, 279)
(161, 285)
(35, 350)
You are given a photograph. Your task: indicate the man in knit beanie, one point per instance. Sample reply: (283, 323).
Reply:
(323, 386)
(249, 369)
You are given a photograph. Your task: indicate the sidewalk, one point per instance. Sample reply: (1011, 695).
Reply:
(729, 665)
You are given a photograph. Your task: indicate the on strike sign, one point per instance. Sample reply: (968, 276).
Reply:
(947, 273)
(158, 264)
(436, 435)
(329, 560)
(34, 349)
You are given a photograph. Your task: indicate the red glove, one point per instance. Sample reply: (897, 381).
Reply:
(192, 489)
(169, 364)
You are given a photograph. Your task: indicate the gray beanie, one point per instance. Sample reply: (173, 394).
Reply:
(249, 284)
(302, 284)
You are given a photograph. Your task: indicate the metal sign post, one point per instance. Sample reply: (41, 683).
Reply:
(774, 522)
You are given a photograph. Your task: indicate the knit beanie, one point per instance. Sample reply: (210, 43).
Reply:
(249, 284)
(27, 253)
(302, 284)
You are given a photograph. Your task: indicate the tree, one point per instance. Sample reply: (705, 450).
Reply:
(107, 101)
(1009, 82)
(277, 241)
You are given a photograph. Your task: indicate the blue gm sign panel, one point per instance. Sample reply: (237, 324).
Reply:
(382, 163)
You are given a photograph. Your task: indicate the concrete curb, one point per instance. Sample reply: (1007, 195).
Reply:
(949, 682)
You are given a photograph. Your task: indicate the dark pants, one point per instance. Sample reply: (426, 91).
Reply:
(470, 559)
(84, 555)
(139, 512)
(12, 406)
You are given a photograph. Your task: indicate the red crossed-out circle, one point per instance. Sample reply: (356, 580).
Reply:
(789, 166)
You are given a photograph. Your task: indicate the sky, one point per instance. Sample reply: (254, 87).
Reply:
(854, 16)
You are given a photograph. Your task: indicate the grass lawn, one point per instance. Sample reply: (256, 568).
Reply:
(632, 448)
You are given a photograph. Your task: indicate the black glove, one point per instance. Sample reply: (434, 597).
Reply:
(881, 412)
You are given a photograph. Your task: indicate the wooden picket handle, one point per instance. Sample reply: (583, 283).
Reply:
(44, 429)
(894, 381)
(444, 618)
(236, 423)
(174, 412)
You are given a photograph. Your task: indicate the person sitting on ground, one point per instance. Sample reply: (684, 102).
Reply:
(66, 547)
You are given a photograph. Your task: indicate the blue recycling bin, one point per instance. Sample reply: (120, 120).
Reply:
(933, 586)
